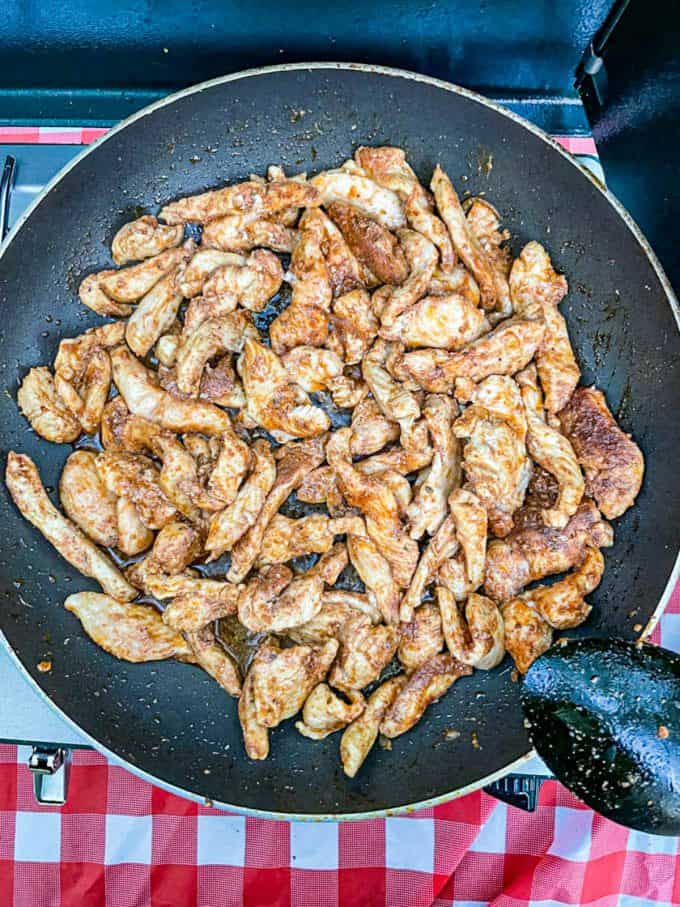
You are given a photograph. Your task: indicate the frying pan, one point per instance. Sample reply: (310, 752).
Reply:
(168, 721)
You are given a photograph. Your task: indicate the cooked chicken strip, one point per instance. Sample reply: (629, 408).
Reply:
(414, 453)
(470, 518)
(299, 603)
(261, 199)
(357, 741)
(527, 635)
(285, 538)
(382, 205)
(422, 688)
(344, 272)
(131, 283)
(324, 712)
(421, 638)
(232, 465)
(256, 603)
(379, 506)
(211, 338)
(220, 384)
(250, 285)
(86, 499)
(354, 326)
(214, 659)
(255, 735)
(133, 536)
(174, 548)
(365, 651)
(243, 233)
(298, 460)
(441, 322)
(45, 410)
(612, 461)
(196, 602)
(371, 431)
(503, 351)
(390, 302)
(429, 507)
(301, 324)
(137, 477)
(283, 678)
(530, 554)
(130, 632)
(114, 420)
(453, 575)
(29, 495)
(92, 295)
(155, 314)
(459, 281)
(396, 402)
(562, 605)
(551, 450)
(87, 393)
(474, 636)
(313, 369)
(376, 574)
(372, 244)
(441, 547)
(197, 270)
(143, 238)
(337, 607)
(485, 222)
(331, 564)
(144, 398)
(500, 396)
(492, 284)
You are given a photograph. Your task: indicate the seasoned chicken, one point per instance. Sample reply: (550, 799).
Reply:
(459, 281)
(371, 243)
(429, 507)
(453, 575)
(285, 538)
(155, 314)
(371, 431)
(552, 451)
(194, 273)
(137, 477)
(439, 322)
(211, 338)
(354, 326)
(126, 631)
(144, 397)
(272, 603)
(363, 193)
(220, 384)
(133, 536)
(92, 295)
(344, 271)
(365, 651)
(283, 678)
(272, 400)
(414, 453)
(331, 564)
(195, 602)
(534, 281)
(530, 554)
(500, 396)
(377, 503)
(174, 548)
(612, 462)
(298, 460)
(231, 467)
(442, 546)
(396, 402)
(324, 712)
(503, 351)
(114, 420)
(389, 302)
(255, 735)
(376, 574)
(469, 515)
(43, 407)
(143, 238)
(86, 499)
(427, 684)
(261, 199)
(562, 605)
(493, 286)
(527, 635)
(250, 285)
(474, 635)
(389, 168)
(243, 233)
(214, 659)
(313, 369)
(337, 607)
(29, 495)
(227, 526)
(421, 638)
(131, 283)
(485, 223)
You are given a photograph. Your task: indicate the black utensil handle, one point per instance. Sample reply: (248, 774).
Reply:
(6, 182)
(517, 790)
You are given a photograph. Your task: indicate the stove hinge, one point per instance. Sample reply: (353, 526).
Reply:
(50, 766)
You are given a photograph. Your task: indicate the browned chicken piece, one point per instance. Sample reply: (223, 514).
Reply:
(220, 384)
(344, 271)
(371, 431)
(143, 238)
(203, 262)
(474, 634)
(429, 507)
(199, 601)
(389, 302)
(214, 659)
(227, 526)
(363, 193)
(377, 503)
(133, 536)
(137, 477)
(371, 243)
(301, 324)
(533, 280)
(427, 684)
(261, 199)
(324, 712)
(376, 574)
(389, 168)
(250, 285)
(485, 222)
(453, 575)
(283, 678)
(365, 651)
(92, 295)
(86, 499)
(114, 420)
(131, 283)
(530, 554)
(256, 603)
(255, 735)
(562, 605)
(413, 454)
(347, 390)
(272, 400)
(243, 233)
(174, 548)
(354, 326)
(439, 322)
(459, 281)
(396, 402)
(442, 546)
(298, 460)
(331, 564)
(552, 451)
(470, 518)
(612, 462)
(166, 346)
(40, 403)
(527, 635)
(503, 351)
(28, 493)
(337, 607)
(130, 632)
(144, 397)
(493, 286)
(155, 314)
(358, 739)
(500, 396)
(285, 538)
(421, 638)
(211, 338)
(231, 467)
(205, 451)
(313, 369)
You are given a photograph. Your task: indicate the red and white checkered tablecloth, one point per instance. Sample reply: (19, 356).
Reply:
(121, 842)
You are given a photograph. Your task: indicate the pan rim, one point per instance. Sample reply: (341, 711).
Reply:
(392, 72)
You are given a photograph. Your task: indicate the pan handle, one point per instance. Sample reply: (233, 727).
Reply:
(6, 183)
(520, 791)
